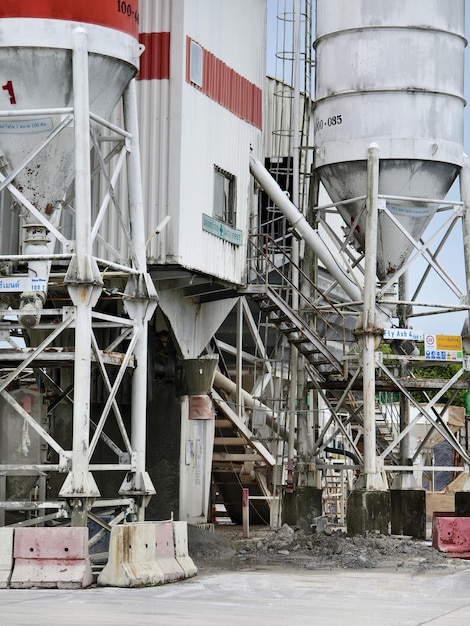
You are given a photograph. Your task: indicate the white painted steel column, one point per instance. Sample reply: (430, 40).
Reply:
(404, 480)
(140, 308)
(372, 480)
(82, 151)
(239, 359)
(465, 196)
(294, 355)
(80, 484)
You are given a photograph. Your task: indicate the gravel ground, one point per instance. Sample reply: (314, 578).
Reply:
(225, 548)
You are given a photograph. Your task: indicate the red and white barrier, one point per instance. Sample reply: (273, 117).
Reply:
(451, 534)
(51, 558)
(165, 552)
(180, 535)
(6, 556)
(132, 560)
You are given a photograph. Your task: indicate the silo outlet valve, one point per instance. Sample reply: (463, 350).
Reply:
(31, 304)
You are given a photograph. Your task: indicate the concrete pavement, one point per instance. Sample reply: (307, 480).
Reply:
(258, 597)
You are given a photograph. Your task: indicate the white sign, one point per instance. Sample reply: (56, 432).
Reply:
(12, 284)
(443, 348)
(403, 333)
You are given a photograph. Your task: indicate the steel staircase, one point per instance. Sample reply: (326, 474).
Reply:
(324, 351)
(291, 325)
(240, 461)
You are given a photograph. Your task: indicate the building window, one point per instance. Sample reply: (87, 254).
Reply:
(224, 196)
(195, 64)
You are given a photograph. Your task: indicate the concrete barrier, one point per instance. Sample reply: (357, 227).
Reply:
(451, 534)
(132, 560)
(165, 552)
(180, 535)
(6, 556)
(51, 558)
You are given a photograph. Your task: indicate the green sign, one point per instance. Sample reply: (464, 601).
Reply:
(221, 230)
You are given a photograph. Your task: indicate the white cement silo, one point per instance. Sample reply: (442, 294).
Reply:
(389, 73)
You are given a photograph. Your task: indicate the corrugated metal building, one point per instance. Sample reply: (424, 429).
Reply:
(200, 98)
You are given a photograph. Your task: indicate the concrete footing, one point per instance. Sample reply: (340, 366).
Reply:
(462, 503)
(368, 511)
(408, 512)
(302, 507)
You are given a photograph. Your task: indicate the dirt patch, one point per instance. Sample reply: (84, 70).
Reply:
(329, 549)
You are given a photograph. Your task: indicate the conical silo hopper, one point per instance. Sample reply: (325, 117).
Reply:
(36, 80)
(390, 73)
(37, 96)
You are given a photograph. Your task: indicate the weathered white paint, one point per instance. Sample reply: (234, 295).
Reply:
(184, 133)
(390, 73)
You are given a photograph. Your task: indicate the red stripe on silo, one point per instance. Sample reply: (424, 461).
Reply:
(155, 60)
(228, 88)
(122, 15)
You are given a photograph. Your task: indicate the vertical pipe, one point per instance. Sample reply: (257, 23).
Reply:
(141, 309)
(82, 376)
(83, 285)
(294, 358)
(82, 149)
(405, 479)
(239, 373)
(134, 176)
(465, 195)
(296, 108)
(139, 382)
(404, 404)
(370, 273)
(246, 512)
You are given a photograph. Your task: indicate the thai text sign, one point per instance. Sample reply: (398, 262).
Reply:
(22, 283)
(443, 348)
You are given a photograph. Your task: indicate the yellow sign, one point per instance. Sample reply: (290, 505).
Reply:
(443, 347)
(448, 342)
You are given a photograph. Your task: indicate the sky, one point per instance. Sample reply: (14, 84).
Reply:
(452, 254)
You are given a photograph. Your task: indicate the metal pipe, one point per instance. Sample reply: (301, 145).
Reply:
(227, 385)
(300, 224)
(80, 483)
(369, 319)
(465, 194)
(404, 480)
(239, 359)
(143, 303)
(294, 354)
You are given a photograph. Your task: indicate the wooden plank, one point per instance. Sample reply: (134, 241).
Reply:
(243, 429)
(230, 441)
(236, 458)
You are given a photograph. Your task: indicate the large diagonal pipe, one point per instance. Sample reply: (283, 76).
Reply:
(227, 385)
(300, 224)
